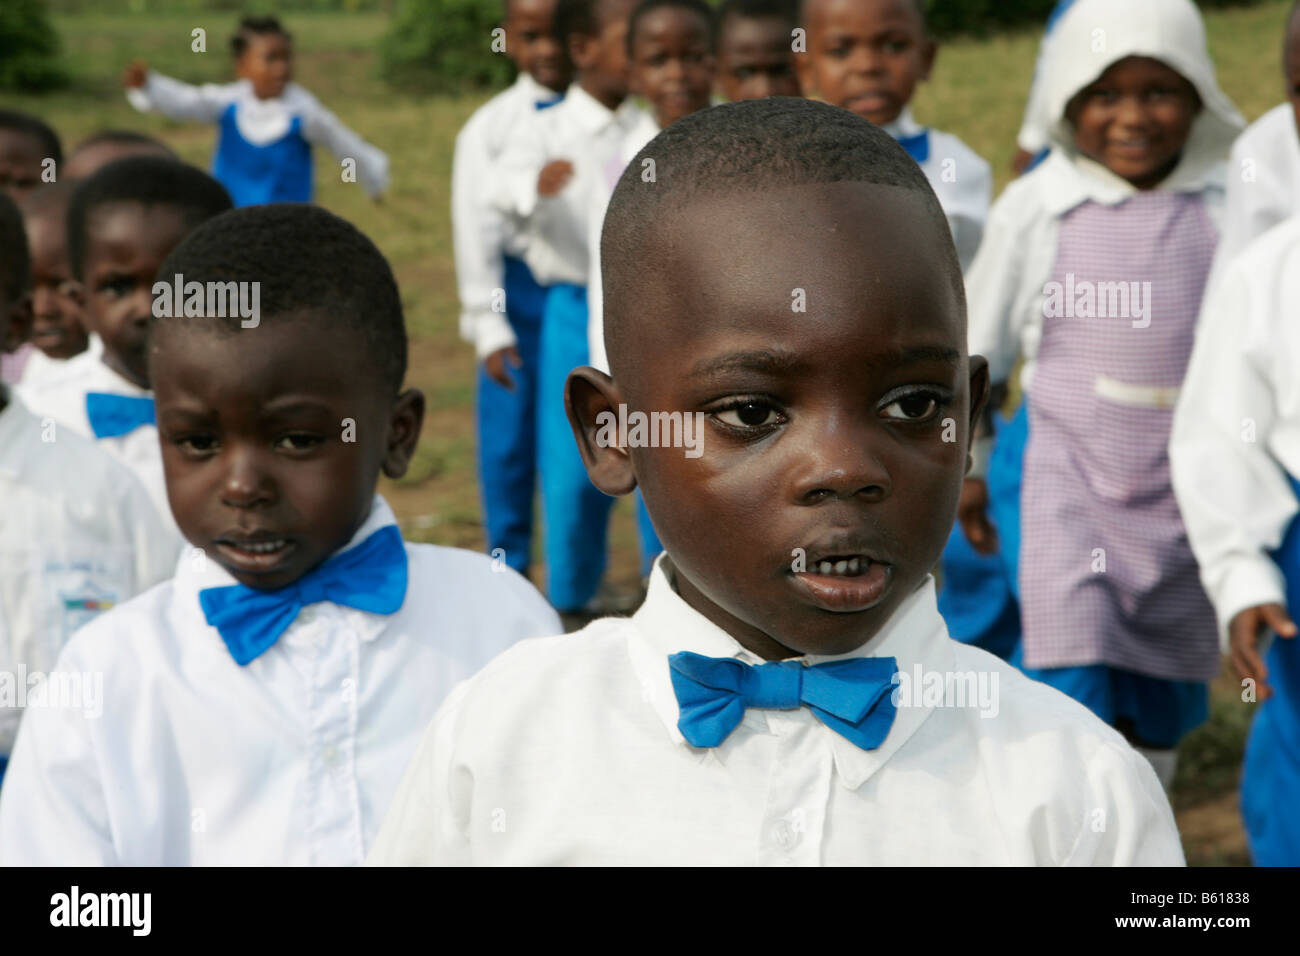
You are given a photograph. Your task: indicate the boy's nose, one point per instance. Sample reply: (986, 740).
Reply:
(246, 484)
(840, 462)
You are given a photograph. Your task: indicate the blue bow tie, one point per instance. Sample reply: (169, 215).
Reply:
(547, 104)
(854, 697)
(370, 577)
(113, 415)
(918, 146)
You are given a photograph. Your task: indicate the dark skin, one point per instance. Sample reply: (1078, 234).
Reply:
(755, 59)
(823, 428)
(672, 66)
(1134, 119)
(867, 56)
(531, 43)
(57, 329)
(126, 244)
(88, 160)
(254, 443)
(21, 155)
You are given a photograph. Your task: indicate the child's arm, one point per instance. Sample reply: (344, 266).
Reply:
(526, 172)
(321, 126)
(150, 91)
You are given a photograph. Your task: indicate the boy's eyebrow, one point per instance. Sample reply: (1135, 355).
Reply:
(915, 354)
(758, 360)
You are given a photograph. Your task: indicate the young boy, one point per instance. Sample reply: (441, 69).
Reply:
(77, 532)
(99, 149)
(868, 56)
(547, 177)
(26, 143)
(259, 708)
(57, 330)
(489, 247)
(1235, 458)
(756, 49)
(122, 224)
(267, 123)
(802, 535)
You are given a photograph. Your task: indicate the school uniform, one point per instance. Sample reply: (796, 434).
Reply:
(41, 371)
(78, 535)
(489, 246)
(1110, 594)
(576, 751)
(214, 749)
(264, 147)
(1235, 455)
(585, 132)
(92, 400)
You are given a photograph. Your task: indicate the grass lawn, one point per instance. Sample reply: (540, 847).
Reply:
(978, 93)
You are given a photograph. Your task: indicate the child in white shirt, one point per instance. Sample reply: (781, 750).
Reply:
(57, 328)
(800, 520)
(260, 707)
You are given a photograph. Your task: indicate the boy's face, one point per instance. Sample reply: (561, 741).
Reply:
(601, 61)
(20, 163)
(126, 244)
(267, 63)
(865, 55)
(1134, 119)
(671, 63)
(531, 42)
(755, 59)
(273, 441)
(835, 434)
(56, 295)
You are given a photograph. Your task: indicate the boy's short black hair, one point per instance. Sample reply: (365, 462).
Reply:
(749, 147)
(121, 137)
(309, 263)
(787, 11)
(15, 260)
(37, 129)
(150, 181)
(697, 7)
(920, 6)
(250, 27)
(582, 17)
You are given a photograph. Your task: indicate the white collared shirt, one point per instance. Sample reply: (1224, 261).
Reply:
(264, 121)
(62, 398)
(586, 133)
(1236, 429)
(78, 535)
(483, 234)
(566, 751)
(290, 760)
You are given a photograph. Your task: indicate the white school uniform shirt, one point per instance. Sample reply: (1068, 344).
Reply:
(1236, 428)
(587, 134)
(1263, 183)
(78, 535)
(481, 233)
(62, 398)
(566, 751)
(264, 121)
(290, 760)
(960, 177)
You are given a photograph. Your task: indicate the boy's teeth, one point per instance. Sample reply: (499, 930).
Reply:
(841, 567)
(825, 567)
(845, 566)
(263, 547)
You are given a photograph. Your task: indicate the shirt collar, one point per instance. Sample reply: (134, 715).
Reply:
(904, 125)
(665, 624)
(588, 112)
(529, 89)
(1070, 179)
(96, 376)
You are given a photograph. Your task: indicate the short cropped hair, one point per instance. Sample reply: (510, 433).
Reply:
(749, 147)
(920, 6)
(250, 27)
(309, 264)
(583, 17)
(122, 137)
(37, 129)
(150, 181)
(647, 7)
(787, 11)
(15, 260)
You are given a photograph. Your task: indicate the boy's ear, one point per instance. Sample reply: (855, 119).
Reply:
(592, 400)
(403, 432)
(979, 390)
(19, 326)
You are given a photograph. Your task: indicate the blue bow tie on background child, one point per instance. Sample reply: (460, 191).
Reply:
(370, 577)
(918, 146)
(113, 415)
(853, 697)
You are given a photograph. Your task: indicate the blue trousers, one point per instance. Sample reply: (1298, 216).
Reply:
(1270, 781)
(978, 597)
(506, 424)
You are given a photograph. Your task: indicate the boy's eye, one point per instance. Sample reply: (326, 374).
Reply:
(914, 407)
(298, 441)
(116, 286)
(749, 414)
(197, 445)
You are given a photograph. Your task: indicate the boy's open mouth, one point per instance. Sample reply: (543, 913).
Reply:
(845, 583)
(255, 552)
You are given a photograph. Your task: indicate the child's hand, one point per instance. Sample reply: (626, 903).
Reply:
(135, 75)
(972, 514)
(554, 176)
(496, 363)
(1243, 641)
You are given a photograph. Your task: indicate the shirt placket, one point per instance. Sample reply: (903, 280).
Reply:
(794, 817)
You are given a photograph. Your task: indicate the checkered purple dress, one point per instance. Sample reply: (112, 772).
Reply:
(1097, 491)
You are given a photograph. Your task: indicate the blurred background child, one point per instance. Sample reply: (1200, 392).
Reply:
(756, 49)
(57, 330)
(99, 149)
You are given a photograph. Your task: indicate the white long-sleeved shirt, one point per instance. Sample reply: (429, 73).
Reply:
(264, 121)
(78, 535)
(483, 234)
(567, 751)
(291, 760)
(1236, 429)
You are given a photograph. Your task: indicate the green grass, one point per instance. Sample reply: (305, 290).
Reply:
(977, 92)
